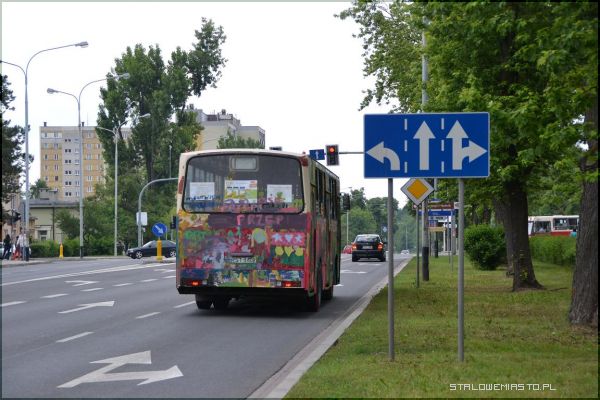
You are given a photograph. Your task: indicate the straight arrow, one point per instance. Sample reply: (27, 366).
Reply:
(457, 134)
(86, 306)
(424, 135)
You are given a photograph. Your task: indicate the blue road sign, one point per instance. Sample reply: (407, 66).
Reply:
(448, 145)
(318, 154)
(438, 213)
(159, 229)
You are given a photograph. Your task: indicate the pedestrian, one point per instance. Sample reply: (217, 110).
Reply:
(6, 247)
(19, 246)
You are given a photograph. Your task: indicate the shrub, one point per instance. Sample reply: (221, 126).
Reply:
(558, 250)
(485, 246)
(44, 249)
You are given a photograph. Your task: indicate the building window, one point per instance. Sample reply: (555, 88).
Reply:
(45, 156)
(56, 167)
(56, 156)
(90, 178)
(90, 189)
(55, 178)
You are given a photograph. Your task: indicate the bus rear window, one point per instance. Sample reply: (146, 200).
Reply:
(250, 183)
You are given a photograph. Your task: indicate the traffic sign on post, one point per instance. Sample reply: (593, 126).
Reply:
(159, 229)
(417, 190)
(426, 145)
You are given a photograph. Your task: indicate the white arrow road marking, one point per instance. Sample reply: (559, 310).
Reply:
(74, 337)
(52, 296)
(81, 283)
(12, 303)
(86, 306)
(103, 374)
(380, 152)
(424, 135)
(147, 315)
(185, 304)
(473, 151)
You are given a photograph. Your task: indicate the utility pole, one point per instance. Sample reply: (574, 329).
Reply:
(424, 99)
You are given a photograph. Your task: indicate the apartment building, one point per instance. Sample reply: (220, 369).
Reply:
(216, 125)
(59, 160)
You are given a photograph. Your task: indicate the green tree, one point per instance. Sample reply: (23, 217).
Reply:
(232, 141)
(12, 156)
(360, 221)
(161, 89)
(67, 223)
(37, 187)
(525, 63)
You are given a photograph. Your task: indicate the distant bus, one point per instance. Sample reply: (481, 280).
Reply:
(256, 223)
(555, 225)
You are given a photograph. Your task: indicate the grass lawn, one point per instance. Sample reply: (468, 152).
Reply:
(521, 339)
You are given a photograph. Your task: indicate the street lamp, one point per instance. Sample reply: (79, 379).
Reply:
(115, 136)
(25, 73)
(78, 99)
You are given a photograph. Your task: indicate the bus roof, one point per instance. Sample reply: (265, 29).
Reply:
(256, 151)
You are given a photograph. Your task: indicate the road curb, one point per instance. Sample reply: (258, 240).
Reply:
(278, 385)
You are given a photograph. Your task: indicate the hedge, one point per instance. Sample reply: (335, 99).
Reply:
(558, 250)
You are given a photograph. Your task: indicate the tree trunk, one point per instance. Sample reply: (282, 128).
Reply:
(501, 211)
(584, 297)
(515, 210)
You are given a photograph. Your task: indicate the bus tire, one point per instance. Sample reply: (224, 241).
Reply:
(221, 303)
(202, 302)
(328, 293)
(314, 302)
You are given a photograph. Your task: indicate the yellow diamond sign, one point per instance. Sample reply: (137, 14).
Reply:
(417, 190)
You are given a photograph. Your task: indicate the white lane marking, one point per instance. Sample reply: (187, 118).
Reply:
(52, 296)
(98, 271)
(339, 284)
(122, 284)
(12, 303)
(104, 375)
(147, 315)
(149, 280)
(74, 337)
(81, 283)
(92, 289)
(170, 277)
(91, 305)
(347, 271)
(163, 270)
(185, 304)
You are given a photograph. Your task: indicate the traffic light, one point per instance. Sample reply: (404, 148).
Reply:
(333, 155)
(173, 223)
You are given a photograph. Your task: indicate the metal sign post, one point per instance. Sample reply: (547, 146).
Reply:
(390, 255)
(461, 270)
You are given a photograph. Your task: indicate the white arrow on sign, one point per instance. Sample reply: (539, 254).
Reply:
(81, 283)
(103, 374)
(86, 306)
(473, 151)
(424, 135)
(380, 152)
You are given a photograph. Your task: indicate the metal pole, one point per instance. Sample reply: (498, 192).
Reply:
(170, 161)
(81, 180)
(347, 224)
(461, 268)
(417, 219)
(390, 250)
(116, 185)
(424, 100)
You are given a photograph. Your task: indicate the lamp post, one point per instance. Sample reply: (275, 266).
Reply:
(116, 139)
(25, 73)
(78, 99)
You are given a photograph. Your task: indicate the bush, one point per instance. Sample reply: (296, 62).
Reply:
(559, 250)
(44, 249)
(485, 246)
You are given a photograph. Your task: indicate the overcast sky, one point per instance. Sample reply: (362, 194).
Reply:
(293, 68)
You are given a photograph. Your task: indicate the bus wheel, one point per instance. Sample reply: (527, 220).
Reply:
(328, 293)
(221, 303)
(203, 303)
(314, 302)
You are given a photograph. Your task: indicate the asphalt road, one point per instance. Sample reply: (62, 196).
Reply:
(118, 328)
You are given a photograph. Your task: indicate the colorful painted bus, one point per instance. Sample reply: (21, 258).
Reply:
(554, 225)
(256, 223)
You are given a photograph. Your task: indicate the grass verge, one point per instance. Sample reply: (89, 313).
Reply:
(522, 339)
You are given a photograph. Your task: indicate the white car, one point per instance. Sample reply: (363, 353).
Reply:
(405, 252)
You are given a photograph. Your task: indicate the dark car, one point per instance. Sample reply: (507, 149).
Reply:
(368, 246)
(169, 249)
